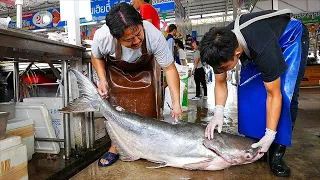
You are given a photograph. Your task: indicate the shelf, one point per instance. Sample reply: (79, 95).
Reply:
(25, 46)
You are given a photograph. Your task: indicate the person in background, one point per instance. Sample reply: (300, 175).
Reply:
(147, 11)
(182, 57)
(125, 46)
(199, 73)
(172, 33)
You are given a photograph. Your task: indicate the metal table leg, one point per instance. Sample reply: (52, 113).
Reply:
(16, 81)
(66, 117)
(91, 114)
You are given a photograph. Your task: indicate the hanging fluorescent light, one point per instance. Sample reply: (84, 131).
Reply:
(84, 9)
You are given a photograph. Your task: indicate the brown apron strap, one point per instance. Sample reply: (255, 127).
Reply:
(144, 45)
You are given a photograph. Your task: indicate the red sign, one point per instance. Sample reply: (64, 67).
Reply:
(10, 2)
(27, 15)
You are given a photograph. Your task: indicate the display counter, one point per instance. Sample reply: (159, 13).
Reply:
(311, 76)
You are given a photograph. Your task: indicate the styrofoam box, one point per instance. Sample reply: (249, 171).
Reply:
(42, 126)
(13, 158)
(53, 104)
(24, 129)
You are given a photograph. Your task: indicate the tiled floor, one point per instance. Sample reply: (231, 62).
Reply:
(303, 157)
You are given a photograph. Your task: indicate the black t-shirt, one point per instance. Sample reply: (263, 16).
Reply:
(262, 38)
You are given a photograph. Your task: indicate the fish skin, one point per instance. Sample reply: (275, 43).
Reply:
(181, 145)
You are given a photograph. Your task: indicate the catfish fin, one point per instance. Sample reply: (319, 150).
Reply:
(125, 157)
(79, 105)
(158, 166)
(202, 165)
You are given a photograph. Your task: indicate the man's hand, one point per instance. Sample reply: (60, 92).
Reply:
(216, 121)
(266, 141)
(176, 112)
(103, 89)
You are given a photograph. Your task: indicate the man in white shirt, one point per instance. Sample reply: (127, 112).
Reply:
(199, 73)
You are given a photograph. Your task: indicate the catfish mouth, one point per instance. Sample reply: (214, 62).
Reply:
(219, 155)
(247, 158)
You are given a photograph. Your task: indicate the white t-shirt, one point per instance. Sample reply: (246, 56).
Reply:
(197, 55)
(104, 44)
(182, 54)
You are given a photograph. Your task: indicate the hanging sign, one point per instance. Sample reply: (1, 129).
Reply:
(40, 20)
(100, 8)
(163, 5)
(308, 18)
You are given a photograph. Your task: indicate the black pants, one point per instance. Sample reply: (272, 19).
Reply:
(200, 77)
(303, 62)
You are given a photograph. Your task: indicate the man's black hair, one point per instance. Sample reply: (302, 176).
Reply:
(172, 27)
(180, 43)
(147, 1)
(122, 16)
(217, 46)
(197, 43)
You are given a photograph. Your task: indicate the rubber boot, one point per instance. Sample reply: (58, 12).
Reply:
(276, 162)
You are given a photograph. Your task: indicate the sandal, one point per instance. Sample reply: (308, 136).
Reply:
(110, 157)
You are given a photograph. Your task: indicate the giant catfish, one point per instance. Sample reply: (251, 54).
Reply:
(181, 145)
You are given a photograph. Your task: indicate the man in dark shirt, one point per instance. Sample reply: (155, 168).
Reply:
(172, 32)
(222, 49)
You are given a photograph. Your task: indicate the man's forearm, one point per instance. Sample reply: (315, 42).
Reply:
(99, 66)
(221, 93)
(273, 105)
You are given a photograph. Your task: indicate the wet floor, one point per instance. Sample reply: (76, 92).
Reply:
(303, 157)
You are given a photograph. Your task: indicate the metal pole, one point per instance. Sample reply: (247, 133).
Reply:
(275, 5)
(235, 14)
(19, 4)
(91, 114)
(16, 81)
(226, 13)
(66, 117)
(235, 9)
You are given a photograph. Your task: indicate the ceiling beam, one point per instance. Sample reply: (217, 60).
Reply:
(203, 2)
(292, 6)
(220, 4)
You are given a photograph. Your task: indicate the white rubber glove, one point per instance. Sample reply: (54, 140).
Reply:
(266, 141)
(216, 121)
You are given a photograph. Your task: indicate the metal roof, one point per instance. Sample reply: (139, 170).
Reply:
(192, 7)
